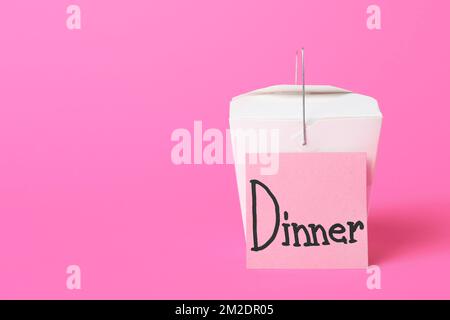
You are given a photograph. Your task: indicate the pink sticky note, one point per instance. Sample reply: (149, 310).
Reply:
(311, 214)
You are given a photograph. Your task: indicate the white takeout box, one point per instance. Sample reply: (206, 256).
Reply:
(337, 120)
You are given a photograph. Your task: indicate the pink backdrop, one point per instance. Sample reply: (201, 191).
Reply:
(86, 116)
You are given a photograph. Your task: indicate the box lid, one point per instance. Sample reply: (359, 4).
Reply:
(285, 102)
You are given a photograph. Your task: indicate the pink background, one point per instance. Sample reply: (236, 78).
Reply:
(86, 117)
